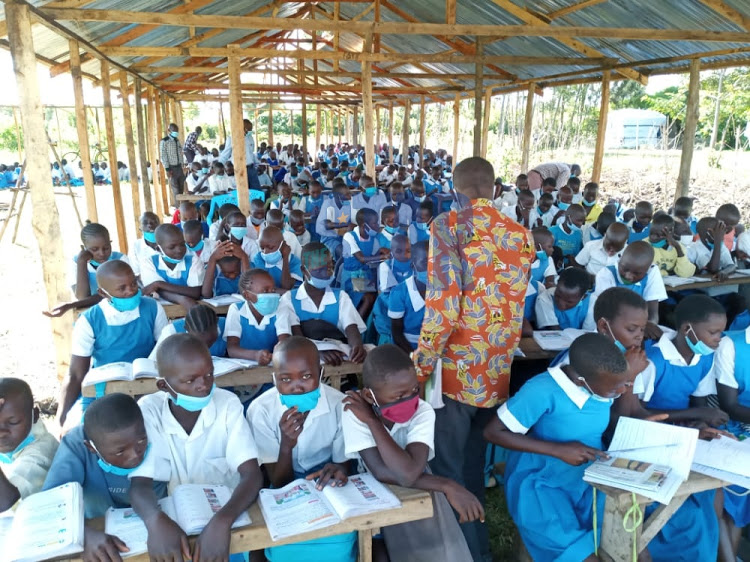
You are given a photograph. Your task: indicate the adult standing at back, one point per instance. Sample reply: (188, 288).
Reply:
(169, 152)
(251, 157)
(560, 171)
(477, 275)
(191, 145)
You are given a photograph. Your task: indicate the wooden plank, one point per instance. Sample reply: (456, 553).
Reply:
(238, 135)
(456, 125)
(390, 132)
(405, 132)
(527, 124)
(478, 85)
(601, 131)
(317, 130)
(305, 147)
(142, 148)
(688, 135)
(529, 61)
(45, 218)
(178, 86)
(84, 150)
(728, 12)
(132, 165)
(486, 121)
(367, 110)
(738, 280)
(450, 12)
(159, 169)
(270, 124)
(355, 125)
(377, 118)
(122, 236)
(153, 145)
(562, 12)
(422, 131)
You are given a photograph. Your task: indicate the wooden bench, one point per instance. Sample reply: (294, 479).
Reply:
(415, 505)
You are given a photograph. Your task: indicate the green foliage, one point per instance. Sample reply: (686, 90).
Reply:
(627, 93)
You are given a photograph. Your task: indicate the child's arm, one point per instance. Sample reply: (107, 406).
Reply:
(164, 287)
(291, 425)
(728, 403)
(236, 351)
(354, 339)
(714, 264)
(83, 287)
(166, 540)
(397, 331)
(287, 281)
(75, 305)
(653, 332)
(223, 249)
(70, 389)
(9, 494)
(699, 411)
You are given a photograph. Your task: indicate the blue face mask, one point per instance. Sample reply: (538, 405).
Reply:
(421, 276)
(150, 237)
(573, 227)
(174, 134)
(319, 283)
(198, 247)
(618, 343)
(421, 225)
(238, 232)
(660, 244)
(304, 402)
(95, 263)
(699, 348)
(370, 232)
(7, 458)
(401, 266)
(563, 206)
(390, 229)
(597, 397)
(167, 259)
(272, 258)
(587, 203)
(341, 202)
(124, 304)
(539, 211)
(419, 199)
(397, 198)
(191, 403)
(371, 191)
(117, 470)
(266, 303)
(204, 170)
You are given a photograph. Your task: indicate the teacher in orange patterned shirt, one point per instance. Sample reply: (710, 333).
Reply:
(477, 276)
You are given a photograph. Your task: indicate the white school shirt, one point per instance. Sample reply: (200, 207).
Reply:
(724, 361)
(233, 325)
(286, 159)
(321, 439)
(193, 181)
(590, 233)
(654, 289)
(700, 255)
(594, 258)
(141, 251)
(348, 314)
(211, 454)
(249, 246)
(30, 465)
(643, 386)
(218, 184)
(83, 333)
(548, 216)
(544, 311)
(302, 239)
(351, 246)
(150, 274)
(73, 270)
(419, 429)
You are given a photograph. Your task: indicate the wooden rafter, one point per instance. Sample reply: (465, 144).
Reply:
(728, 12)
(562, 12)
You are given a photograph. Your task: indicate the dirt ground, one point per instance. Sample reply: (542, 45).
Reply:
(26, 346)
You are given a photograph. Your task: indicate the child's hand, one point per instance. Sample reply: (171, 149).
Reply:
(384, 253)
(721, 276)
(286, 249)
(333, 357)
(291, 424)
(331, 472)
(84, 256)
(718, 232)
(358, 354)
(358, 406)
(100, 547)
(466, 504)
(576, 453)
(712, 416)
(652, 332)
(343, 230)
(150, 289)
(59, 310)
(711, 433)
(213, 542)
(224, 249)
(264, 357)
(637, 360)
(166, 541)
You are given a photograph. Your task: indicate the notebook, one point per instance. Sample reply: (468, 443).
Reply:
(298, 507)
(144, 368)
(725, 459)
(45, 525)
(191, 506)
(223, 300)
(556, 340)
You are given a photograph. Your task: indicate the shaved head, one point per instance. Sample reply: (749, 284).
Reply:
(638, 253)
(618, 232)
(474, 178)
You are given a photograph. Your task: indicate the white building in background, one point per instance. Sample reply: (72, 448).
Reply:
(635, 128)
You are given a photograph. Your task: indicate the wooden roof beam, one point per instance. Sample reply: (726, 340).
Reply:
(729, 13)
(562, 12)
(305, 89)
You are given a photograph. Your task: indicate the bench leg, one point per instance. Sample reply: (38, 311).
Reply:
(365, 545)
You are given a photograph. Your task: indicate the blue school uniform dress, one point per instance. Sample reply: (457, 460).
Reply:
(539, 269)
(375, 202)
(219, 347)
(275, 269)
(204, 225)
(225, 286)
(418, 234)
(312, 208)
(692, 533)
(93, 285)
(573, 317)
(182, 280)
(639, 287)
(339, 215)
(254, 336)
(547, 498)
(73, 462)
(405, 302)
(635, 235)
(352, 267)
(570, 244)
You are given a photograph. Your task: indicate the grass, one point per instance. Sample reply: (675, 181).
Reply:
(504, 540)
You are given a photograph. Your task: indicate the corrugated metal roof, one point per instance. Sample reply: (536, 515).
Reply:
(647, 14)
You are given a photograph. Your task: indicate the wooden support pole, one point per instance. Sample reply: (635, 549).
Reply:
(601, 129)
(456, 126)
(178, 119)
(527, 124)
(291, 124)
(142, 147)
(478, 86)
(367, 110)
(486, 121)
(132, 166)
(338, 125)
(83, 132)
(270, 125)
(688, 135)
(153, 150)
(377, 121)
(238, 135)
(161, 130)
(390, 132)
(422, 130)
(45, 219)
(305, 147)
(355, 126)
(122, 236)
(405, 133)
(317, 130)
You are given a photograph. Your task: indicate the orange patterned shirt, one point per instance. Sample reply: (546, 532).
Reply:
(478, 271)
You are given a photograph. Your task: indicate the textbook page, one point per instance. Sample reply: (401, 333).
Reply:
(144, 368)
(725, 454)
(120, 371)
(296, 508)
(224, 366)
(125, 524)
(552, 340)
(224, 300)
(677, 281)
(196, 504)
(362, 494)
(722, 475)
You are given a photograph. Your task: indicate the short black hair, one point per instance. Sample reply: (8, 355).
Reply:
(92, 230)
(547, 197)
(193, 225)
(662, 219)
(248, 276)
(365, 214)
(12, 386)
(575, 181)
(549, 181)
(610, 302)
(604, 220)
(294, 343)
(575, 278)
(592, 355)
(696, 309)
(382, 362)
(164, 231)
(110, 413)
(427, 204)
(177, 345)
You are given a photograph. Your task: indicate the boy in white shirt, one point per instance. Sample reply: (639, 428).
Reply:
(219, 181)
(145, 247)
(199, 436)
(597, 254)
(711, 256)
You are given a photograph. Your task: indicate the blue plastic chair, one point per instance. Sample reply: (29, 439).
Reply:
(219, 200)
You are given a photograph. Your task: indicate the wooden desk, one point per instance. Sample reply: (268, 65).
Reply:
(415, 505)
(533, 352)
(174, 311)
(617, 543)
(739, 280)
(255, 375)
(197, 197)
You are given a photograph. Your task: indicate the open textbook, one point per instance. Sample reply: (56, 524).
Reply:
(336, 345)
(556, 340)
(298, 507)
(725, 459)
(191, 506)
(649, 458)
(45, 525)
(223, 300)
(146, 369)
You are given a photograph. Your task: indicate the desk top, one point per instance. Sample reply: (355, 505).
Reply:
(194, 197)
(737, 279)
(533, 352)
(694, 484)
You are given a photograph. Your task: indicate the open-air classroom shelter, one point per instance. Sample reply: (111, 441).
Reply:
(344, 59)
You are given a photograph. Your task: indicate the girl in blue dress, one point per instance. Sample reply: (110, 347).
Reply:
(567, 305)
(553, 427)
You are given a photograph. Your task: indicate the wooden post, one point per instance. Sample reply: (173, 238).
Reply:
(367, 109)
(456, 126)
(355, 126)
(317, 128)
(405, 133)
(601, 129)
(291, 124)
(688, 136)
(122, 236)
(128, 123)
(19, 144)
(238, 134)
(486, 121)
(153, 150)
(45, 218)
(304, 148)
(422, 129)
(161, 129)
(270, 125)
(142, 149)
(83, 132)
(478, 85)
(390, 132)
(527, 124)
(178, 119)
(377, 125)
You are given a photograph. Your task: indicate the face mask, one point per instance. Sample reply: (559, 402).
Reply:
(421, 225)
(174, 134)
(167, 259)
(371, 191)
(124, 304)
(596, 396)
(190, 403)
(397, 198)
(341, 202)
(198, 247)
(400, 411)
(117, 470)
(573, 227)
(272, 257)
(390, 229)
(539, 211)
(266, 303)
(7, 458)
(587, 203)
(421, 276)
(699, 348)
(304, 402)
(709, 244)
(370, 232)
(204, 171)
(319, 283)
(660, 244)
(563, 206)
(150, 237)
(238, 232)
(541, 255)
(256, 221)
(318, 198)
(95, 263)
(419, 199)
(618, 344)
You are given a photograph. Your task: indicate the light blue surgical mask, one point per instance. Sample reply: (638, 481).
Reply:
(422, 225)
(390, 229)
(174, 134)
(371, 191)
(541, 255)
(421, 276)
(167, 259)
(596, 396)
(618, 343)
(117, 470)
(198, 247)
(370, 232)
(150, 237)
(699, 348)
(420, 199)
(266, 303)
(659, 244)
(573, 227)
(319, 283)
(272, 258)
(7, 458)
(238, 232)
(304, 402)
(125, 304)
(563, 206)
(587, 203)
(190, 403)
(95, 263)
(204, 170)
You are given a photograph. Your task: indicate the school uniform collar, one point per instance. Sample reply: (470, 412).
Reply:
(173, 427)
(115, 317)
(747, 335)
(328, 296)
(670, 353)
(621, 281)
(245, 312)
(322, 408)
(178, 268)
(417, 302)
(577, 395)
